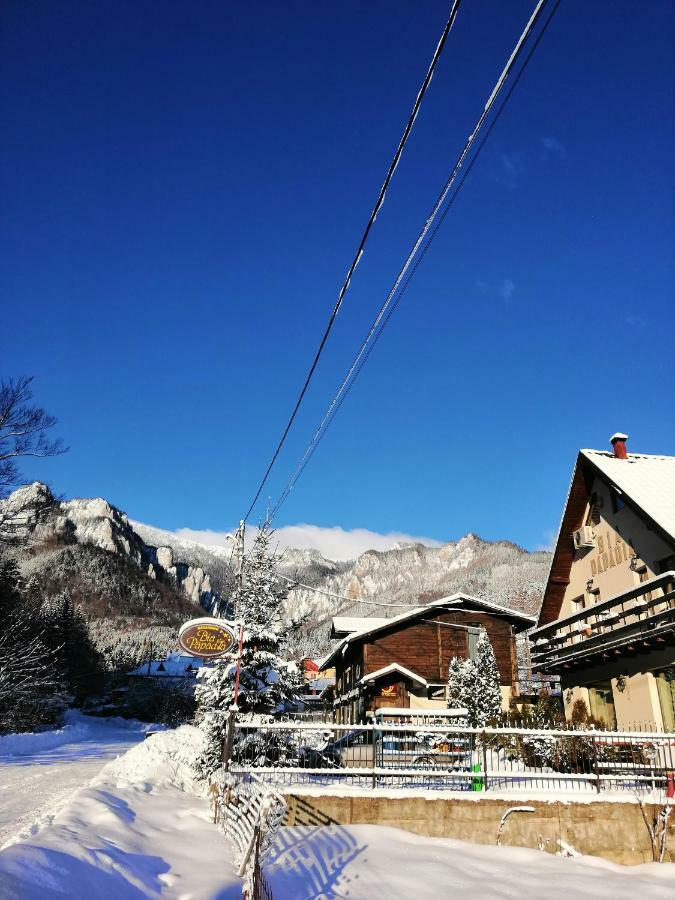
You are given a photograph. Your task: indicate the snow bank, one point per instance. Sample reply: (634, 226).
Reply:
(137, 831)
(76, 727)
(33, 742)
(124, 844)
(374, 862)
(166, 758)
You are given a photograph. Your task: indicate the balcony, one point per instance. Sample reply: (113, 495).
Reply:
(638, 621)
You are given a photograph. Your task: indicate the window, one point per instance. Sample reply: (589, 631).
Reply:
(665, 684)
(618, 502)
(602, 702)
(577, 605)
(472, 636)
(593, 516)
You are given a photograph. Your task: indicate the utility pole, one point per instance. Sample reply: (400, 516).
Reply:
(239, 550)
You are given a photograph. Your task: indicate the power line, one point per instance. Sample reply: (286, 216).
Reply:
(362, 243)
(393, 298)
(308, 587)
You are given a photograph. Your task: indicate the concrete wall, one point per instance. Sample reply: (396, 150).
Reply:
(614, 831)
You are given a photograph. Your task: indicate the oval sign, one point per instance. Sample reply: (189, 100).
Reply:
(208, 638)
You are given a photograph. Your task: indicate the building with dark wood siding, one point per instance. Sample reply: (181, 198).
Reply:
(403, 661)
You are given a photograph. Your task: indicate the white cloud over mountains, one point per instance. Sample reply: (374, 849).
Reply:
(333, 543)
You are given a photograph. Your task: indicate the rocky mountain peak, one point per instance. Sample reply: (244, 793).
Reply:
(32, 514)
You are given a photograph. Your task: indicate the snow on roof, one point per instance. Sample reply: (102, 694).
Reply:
(443, 603)
(649, 481)
(350, 624)
(488, 605)
(394, 667)
(177, 665)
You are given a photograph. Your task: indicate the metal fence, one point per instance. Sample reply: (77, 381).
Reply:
(458, 758)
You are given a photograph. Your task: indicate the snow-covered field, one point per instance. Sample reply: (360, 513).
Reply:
(143, 828)
(373, 862)
(40, 772)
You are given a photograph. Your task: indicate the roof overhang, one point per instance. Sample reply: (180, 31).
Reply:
(390, 669)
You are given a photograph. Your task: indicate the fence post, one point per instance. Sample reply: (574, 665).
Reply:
(257, 874)
(596, 766)
(485, 774)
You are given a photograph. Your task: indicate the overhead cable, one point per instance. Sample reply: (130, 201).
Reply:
(428, 233)
(362, 242)
(298, 584)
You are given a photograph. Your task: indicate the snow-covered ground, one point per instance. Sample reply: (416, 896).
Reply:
(40, 772)
(374, 862)
(140, 829)
(143, 829)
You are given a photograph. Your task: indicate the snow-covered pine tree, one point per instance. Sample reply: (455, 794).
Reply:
(268, 682)
(474, 684)
(460, 683)
(487, 704)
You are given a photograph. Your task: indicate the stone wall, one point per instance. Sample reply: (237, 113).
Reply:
(615, 831)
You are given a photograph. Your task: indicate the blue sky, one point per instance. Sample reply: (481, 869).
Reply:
(183, 186)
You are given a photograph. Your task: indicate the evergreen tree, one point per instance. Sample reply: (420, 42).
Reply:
(268, 682)
(460, 683)
(487, 694)
(67, 636)
(474, 684)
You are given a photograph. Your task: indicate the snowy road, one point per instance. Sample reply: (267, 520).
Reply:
(40, 773)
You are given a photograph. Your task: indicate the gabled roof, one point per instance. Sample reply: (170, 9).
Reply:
(393, 667)
(418, 612)
(647, 483)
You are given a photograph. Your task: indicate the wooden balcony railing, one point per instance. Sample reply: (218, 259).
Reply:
(638, 620)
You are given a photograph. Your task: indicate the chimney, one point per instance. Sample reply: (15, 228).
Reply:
(618, 442)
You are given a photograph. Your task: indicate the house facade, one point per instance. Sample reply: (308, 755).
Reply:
(403, 661)
(607, 621)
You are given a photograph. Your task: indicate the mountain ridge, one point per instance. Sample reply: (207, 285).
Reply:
(375, 583)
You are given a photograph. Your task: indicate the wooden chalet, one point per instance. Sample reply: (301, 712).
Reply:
(607, 621)
(403, 661)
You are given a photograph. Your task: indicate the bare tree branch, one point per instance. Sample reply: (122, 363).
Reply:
(23, 430)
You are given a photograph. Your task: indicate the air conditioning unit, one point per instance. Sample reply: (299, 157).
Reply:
(584, 538)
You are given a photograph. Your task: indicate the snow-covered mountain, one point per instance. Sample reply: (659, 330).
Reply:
(377, 583)
(33, 514)
(415, 574)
